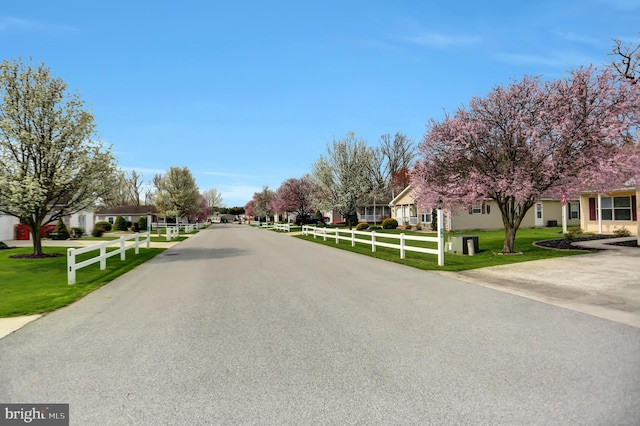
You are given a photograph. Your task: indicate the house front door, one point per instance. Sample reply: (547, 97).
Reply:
(539, 215)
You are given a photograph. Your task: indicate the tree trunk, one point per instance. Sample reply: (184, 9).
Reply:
(509, 238)
(37, 240)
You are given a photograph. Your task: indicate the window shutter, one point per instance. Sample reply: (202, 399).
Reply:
(483, 207)
(592, 209)
(634, 208)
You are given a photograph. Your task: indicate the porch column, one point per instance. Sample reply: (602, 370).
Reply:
(599, 214)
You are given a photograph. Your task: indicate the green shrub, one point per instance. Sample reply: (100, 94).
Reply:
(142, 223)
(375, 228)
(573, 232)
(362, 226)
(98, 231)
(106, 226)
(622, 232)
(77, 232)
(3, 246)
(418, 227)
(352, 220)
(389, 223)
(120, 224)
(61, 232)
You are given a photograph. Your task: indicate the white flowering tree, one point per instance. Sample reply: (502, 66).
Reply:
(344, 176)
(177, 193)
(49, 165)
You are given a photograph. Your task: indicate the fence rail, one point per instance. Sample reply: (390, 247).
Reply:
(277, 226)
(72, 266)
(403, 240)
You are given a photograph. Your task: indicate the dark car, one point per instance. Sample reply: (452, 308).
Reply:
(309, 220)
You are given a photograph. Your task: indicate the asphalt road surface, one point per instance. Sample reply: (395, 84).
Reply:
(239, 325)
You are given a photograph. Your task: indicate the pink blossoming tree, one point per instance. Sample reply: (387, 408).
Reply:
(295, 196)
(529, 139)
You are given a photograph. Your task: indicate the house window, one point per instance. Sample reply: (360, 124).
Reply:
(616, 208)
(110, 219)
(574, 210)
(426, 217)
(477, 208)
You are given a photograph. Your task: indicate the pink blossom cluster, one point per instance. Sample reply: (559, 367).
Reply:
(533, 139)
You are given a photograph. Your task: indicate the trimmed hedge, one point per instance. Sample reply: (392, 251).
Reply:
(106, 226)
(120, 224)
(389, 223)
(362, 226)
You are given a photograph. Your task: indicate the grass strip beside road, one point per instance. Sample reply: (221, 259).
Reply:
(490, 244)
(34, 286)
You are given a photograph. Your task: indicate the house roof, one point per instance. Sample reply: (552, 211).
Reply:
(127, 210)
(400, 195)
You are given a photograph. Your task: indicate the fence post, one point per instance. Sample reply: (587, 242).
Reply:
(71, 266)
(168, 230)
(401, 246)
(103, 257)
(440, 238)
(373, 241)
(137, 251)
(337, 236)
(353, 238)
(122, 250)
(148, 238)
(324, 234)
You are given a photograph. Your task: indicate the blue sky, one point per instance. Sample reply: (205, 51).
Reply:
(249, 93)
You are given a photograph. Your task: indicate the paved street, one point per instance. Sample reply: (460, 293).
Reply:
(238, 325)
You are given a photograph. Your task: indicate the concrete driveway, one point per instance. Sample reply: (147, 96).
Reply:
(605, 284)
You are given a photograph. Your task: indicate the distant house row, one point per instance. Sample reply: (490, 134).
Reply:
(592, 212)
(85, 219)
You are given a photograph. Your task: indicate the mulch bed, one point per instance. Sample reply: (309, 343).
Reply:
(567, 244)
(33, 256)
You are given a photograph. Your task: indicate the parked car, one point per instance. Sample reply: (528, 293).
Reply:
(310, 220)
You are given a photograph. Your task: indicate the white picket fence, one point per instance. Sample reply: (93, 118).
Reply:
(72, 266)
(404, 241)
(277, 226)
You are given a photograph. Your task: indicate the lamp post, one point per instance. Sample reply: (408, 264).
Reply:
(440, 234)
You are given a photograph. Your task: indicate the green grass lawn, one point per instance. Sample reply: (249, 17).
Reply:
(33, 286)
(490, 245)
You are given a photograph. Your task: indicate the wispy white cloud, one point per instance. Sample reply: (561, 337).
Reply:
(226, 174)
(440, 40)
(13, 24)
(237, 195)
(580, 38)
(148, 173)
(554, 59)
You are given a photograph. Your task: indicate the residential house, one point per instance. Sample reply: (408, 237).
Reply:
(375, 210)
(130, 213)
(9, 224)
(485, 214)
(7, 227)
(608, 212)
